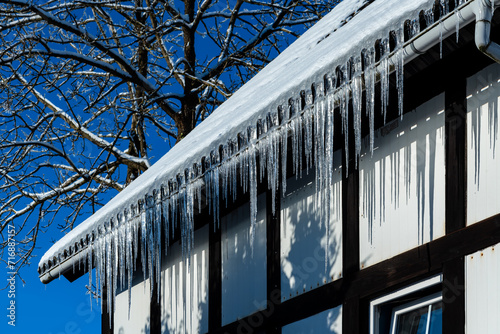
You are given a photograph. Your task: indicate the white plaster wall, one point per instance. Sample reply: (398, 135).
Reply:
(402, 186)
(138, 322)
(329, 321)
(244, 269)
(305, 235)
(483, 146)
(482, 291)
(184, 288)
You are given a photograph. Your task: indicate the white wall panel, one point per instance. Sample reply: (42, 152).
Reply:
(327, 322)
(482, 291)
(483, 145)
(305, 236)
(184, 290)
(139, 309)
(402, 186)
(244, 269)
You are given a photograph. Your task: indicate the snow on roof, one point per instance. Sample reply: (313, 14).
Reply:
(352, 26)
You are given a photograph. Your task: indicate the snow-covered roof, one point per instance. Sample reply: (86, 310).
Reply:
(353, 26)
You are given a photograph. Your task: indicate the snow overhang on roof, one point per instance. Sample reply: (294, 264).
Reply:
(249, 124)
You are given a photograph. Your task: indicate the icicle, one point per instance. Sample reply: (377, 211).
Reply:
(429, 17)
(319, 142)
(297, 143)
(457, 20)
(234, 173)
(384, 76)
(263, 156)
(357, 91)
(414, 27)
(166, 217)
(108, 273)
(441, 39)
(400, 70)
(121, 249)
(272, 148)
(143, 230)
(308, 137)
(444, 7)
(370, 93)
(284, 149)
(252, 171)
(114, 258)
(130, 259)
(344, 108)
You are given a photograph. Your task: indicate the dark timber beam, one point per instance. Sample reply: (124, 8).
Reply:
(273, 258)
(214, 279)
(456, 190)
(350, 232)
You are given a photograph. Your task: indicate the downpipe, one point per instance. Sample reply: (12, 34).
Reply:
(484, 15)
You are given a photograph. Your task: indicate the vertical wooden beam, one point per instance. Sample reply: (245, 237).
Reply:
(454, 297)
(455, 128)
(107, 326)
(155, 309)
(214, 279)
(456, 188)
(273, 259)
(350, 234)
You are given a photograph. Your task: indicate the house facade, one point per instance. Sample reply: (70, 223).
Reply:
(351, 187)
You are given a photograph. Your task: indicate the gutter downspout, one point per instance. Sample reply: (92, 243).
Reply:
(484, 15)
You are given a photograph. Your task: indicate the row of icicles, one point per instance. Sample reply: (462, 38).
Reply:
(260, 152)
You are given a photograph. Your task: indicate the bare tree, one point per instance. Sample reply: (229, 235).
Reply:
(88, 86)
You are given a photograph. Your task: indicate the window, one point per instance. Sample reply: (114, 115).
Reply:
(423, 316)
(415, 309)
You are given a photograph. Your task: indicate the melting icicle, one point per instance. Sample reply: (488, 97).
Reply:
(252, 171)
(357, 91)
(384, 76)
(444, 7)
(441, 39)
(370, 93)
(284, 149)
(457, 25)
(414, 27)
(400, 70)
(429, 17)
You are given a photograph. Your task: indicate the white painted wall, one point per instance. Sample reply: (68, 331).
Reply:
(329, 321)
(244, 269)
(402, 187)
(482, 291)
(184, 290)
(305, 237)
(139, 309)
(483, 145)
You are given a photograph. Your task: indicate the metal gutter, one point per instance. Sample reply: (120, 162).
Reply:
(440, 30)
(484, 15)
(479, 10)
(69, 264)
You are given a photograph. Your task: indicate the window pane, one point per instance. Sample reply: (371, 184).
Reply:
(413, 322)
(436, 326)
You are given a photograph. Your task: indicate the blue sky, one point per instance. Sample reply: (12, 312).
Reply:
(60, 307)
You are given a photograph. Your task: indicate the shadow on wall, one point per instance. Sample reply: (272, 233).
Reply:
(184, 290)
(306, 236)
(329, 321)
(402, 184)
(482, 106)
